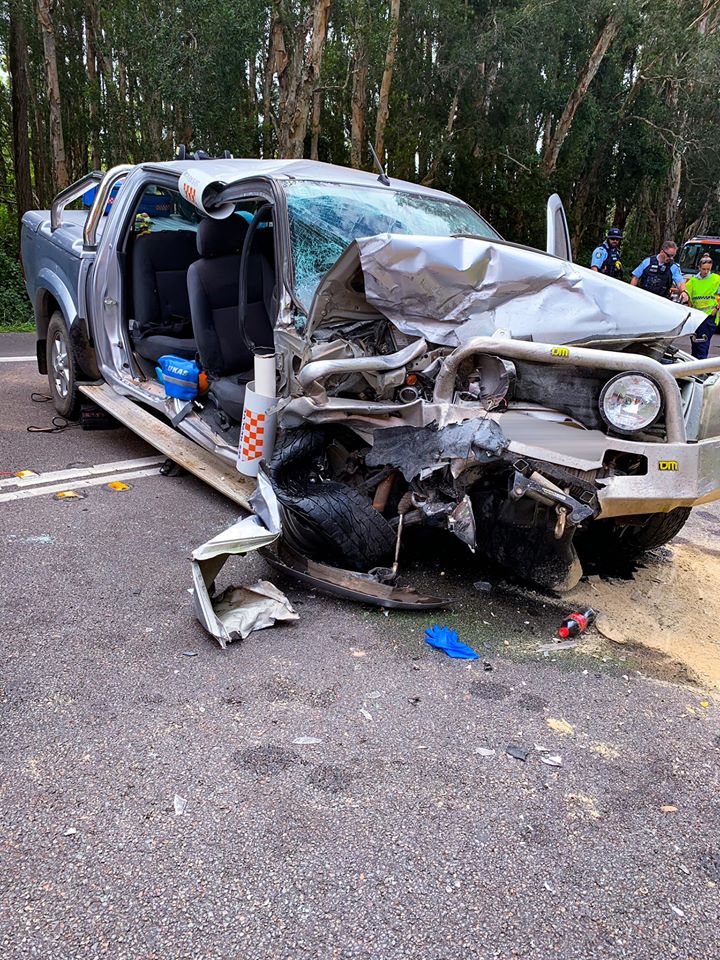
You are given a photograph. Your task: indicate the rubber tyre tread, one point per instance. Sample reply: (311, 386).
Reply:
(331, 522)
(69, 406)
(632, 541)
(660, 528)
(353, 534)
(296, 446)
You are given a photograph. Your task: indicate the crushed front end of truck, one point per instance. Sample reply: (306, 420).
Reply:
(463, 383)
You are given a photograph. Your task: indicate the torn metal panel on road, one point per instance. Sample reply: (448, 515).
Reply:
(239, 610)
(347, 583)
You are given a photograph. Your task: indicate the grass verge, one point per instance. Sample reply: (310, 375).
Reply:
(27, 327)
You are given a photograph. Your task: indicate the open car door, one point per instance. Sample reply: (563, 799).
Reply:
(558, 234)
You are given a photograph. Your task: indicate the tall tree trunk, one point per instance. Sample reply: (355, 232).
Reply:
(384, 100)
(268, 74)
(674, 174)
(39, 148)
(20, 97)
(446, 137)
(123, 124)
(602, 45)
(47, 28)
(299, 80)
(94, 87)
(315, 125)
(358, 102)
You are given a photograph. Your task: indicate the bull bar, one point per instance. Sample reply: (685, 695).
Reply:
(679, 473)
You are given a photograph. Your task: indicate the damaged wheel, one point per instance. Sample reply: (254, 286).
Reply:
(612, 537)
(338, 526)
(324, 520)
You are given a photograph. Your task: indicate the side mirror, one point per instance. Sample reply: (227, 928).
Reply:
(558, 234)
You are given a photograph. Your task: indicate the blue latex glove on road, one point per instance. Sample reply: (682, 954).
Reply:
(445, 639)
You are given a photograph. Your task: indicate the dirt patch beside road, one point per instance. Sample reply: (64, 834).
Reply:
(671, 606)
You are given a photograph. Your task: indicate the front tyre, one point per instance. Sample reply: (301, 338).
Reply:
(62, 368)
(631, 540)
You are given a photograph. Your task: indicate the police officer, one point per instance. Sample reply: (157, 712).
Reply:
(606, 257)
(658, 274)
(702, 290)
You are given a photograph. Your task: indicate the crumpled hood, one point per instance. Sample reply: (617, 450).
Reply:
(449, 289)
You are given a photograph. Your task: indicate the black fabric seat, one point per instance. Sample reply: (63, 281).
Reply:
(160, 264)
(213, 288)
(228, 393)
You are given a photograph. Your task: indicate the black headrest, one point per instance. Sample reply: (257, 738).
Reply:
(219, 238)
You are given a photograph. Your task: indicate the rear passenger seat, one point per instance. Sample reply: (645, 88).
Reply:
(162, 323)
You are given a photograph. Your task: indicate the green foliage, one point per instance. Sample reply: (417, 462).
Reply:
(478, 89)
(15, 307)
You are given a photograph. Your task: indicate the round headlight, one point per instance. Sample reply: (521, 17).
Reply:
(630, 402)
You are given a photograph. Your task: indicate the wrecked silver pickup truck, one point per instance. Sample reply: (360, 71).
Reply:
(423, 370)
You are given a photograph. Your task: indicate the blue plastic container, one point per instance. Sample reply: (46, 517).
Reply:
(180, 377)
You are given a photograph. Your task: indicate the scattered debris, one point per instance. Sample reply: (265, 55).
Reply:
(306, 741)
(366, 713)
(552, 759)
(240, 610)
(576, 623)
(70, 832)
(585, 803)
(677, 910)
(605, 750)
(347, 583)
(704, 704)
(487, 666)
(44, 538)
(517, 753)
(483, 586)
(557, 645)
(190, 653)
(560, 726)
(484, 751)
(171, 469)
(668, 808)
(180, 804)
(445, 639)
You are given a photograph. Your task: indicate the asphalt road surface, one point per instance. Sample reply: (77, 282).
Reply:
(390, 838)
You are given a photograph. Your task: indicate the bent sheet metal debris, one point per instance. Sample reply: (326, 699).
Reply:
(237, 611)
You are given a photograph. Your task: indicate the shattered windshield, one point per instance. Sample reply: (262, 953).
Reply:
(325, 218)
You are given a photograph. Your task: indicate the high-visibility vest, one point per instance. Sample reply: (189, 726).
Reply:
(702, 292)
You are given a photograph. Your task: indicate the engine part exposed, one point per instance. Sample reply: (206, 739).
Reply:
(484, 379)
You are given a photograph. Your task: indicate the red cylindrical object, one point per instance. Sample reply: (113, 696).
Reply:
(576, 623)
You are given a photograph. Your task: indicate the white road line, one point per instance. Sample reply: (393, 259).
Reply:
(89, 482)
(17, 359)
(79, 472)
